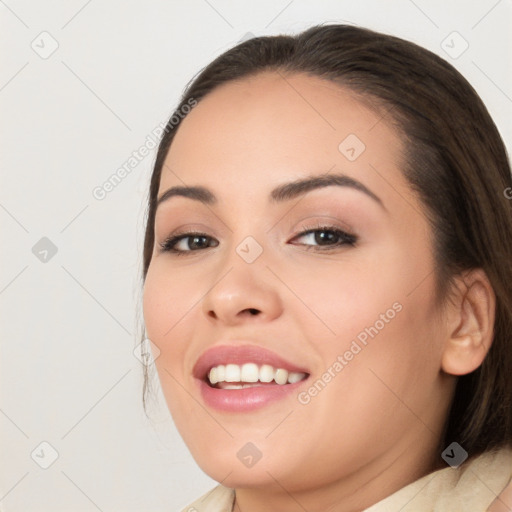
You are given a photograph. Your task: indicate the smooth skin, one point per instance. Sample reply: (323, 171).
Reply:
(376, 425)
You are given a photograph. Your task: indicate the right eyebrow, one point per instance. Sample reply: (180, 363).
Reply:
(198, 193)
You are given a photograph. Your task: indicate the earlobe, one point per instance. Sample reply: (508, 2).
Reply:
(471, 324)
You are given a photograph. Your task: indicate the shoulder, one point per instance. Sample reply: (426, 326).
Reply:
(503, 499)
(476, 485)
(219, 499)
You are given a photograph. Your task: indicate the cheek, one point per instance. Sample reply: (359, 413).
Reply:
(391, 358)
(167, 304)
(375, 316)
(167, 298)
(342, 298)
(371, 373)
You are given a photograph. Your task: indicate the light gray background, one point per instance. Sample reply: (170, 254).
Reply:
(69, 324)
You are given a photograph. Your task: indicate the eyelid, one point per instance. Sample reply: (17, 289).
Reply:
(326, 221)
(182, 228)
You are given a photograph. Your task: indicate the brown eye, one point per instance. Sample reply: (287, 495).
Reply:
(326, 236)
(187, 242)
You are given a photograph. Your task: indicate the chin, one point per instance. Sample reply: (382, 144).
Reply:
(232, 476)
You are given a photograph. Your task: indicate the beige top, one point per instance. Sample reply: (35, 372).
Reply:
(482, 484)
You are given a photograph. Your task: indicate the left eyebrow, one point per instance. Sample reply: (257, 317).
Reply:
(284, 192)
(299, 187)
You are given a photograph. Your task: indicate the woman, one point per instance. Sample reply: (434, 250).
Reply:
(327, 278)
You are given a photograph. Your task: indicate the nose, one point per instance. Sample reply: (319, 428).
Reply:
(242, 292)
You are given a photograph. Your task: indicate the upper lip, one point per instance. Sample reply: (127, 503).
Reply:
(240, 354)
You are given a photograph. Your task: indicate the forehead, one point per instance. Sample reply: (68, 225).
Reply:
(260, 131)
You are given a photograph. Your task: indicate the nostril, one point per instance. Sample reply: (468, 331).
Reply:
(253, 311)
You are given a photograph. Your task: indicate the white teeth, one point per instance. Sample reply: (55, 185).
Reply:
(213, 375)
(217, 374)
(281, 376)
(232, 373)
(266, 373)
(294, 377)
(251, 373)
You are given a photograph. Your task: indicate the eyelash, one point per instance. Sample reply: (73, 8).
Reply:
(345, 239)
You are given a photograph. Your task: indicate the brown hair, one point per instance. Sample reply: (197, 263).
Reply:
(454, 159)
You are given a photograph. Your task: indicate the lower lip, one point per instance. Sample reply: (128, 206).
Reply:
(246, 399)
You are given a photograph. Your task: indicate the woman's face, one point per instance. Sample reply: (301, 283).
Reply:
(356, 314)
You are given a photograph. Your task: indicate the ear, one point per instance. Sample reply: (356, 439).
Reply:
(470, 324)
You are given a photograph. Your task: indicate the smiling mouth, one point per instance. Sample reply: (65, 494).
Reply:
(249, 375)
